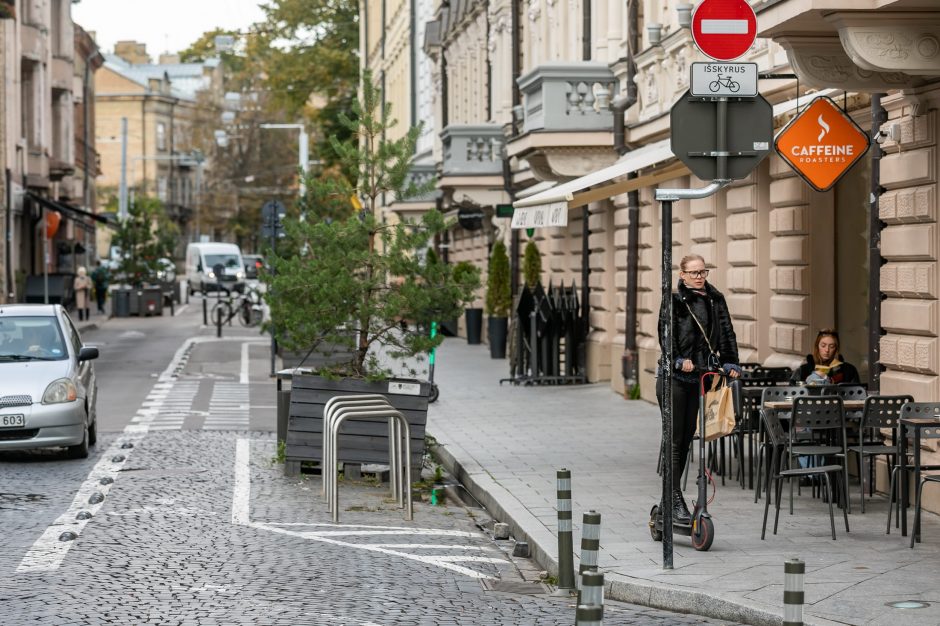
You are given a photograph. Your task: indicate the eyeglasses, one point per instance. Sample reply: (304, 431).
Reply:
(697, 273)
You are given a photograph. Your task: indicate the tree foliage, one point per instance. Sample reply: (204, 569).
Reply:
(532, 265)
(344, 285)
(498, 288)
(146, 236)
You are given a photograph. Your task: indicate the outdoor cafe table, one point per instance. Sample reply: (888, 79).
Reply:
(915, 423)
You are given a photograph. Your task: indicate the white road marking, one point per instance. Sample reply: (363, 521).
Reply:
(243, 378)
(180, 310)
(48, 551)
(242, 492)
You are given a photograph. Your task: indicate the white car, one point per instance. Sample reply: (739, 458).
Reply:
(48, 389)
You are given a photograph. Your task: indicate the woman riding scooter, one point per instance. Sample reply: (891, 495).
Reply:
(703, 340)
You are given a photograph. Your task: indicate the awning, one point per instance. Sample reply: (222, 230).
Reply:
(75, 212)
(550, 207)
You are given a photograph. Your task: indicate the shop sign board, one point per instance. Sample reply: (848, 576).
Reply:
(542, 216)
(822, 143)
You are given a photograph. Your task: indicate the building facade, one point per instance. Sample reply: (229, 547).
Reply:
(159, 102)
(47, 67)
(531, 94)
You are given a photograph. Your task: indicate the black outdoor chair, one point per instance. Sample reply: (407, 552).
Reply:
(771, 394)
(778, 374)
(747, 397)
(819, 415)
(844, 391)
(778, 443)
(910, 409)
(880, 412)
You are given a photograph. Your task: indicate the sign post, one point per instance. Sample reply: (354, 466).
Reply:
(272, 214)
(721, 129)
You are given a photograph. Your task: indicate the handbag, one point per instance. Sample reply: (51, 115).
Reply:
(714, 357)
(719, 411)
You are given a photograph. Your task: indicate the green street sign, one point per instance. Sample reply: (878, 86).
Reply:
(504, 210)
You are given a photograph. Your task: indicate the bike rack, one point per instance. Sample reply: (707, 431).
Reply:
(367, 406)
(333, 407)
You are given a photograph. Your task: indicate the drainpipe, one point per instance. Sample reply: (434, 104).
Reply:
(878, 117)
(585, 212)
(514, 242)
(630, 363)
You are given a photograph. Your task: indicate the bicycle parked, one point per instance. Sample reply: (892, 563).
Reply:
(247, 308)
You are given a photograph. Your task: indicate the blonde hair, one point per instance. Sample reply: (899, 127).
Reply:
(689, 258)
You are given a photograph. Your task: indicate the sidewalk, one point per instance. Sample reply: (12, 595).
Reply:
(505, 444)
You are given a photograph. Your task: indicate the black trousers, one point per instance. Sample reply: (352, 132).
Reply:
(684, 421)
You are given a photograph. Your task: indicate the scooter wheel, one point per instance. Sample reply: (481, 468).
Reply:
(703, 535)
(435, 393)
(655, 532)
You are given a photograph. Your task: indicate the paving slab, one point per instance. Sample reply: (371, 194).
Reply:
(506, 442)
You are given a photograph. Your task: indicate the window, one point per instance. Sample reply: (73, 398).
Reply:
(161, 136)
(25, 338)
(161, 188)
(29, 104)
(61, 125)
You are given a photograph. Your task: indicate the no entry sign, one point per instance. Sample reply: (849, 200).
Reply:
(724, 29)
(822, 143)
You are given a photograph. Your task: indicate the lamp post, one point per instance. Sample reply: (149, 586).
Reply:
(303, 150)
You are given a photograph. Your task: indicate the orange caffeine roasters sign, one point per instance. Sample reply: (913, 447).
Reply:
(822, 143)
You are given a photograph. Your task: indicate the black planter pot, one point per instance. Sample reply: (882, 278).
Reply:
(474, 326)
(496, 327)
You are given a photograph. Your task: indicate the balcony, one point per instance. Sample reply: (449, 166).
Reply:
(473, 150)
(568, 96)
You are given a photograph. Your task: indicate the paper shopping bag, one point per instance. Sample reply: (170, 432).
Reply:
(719, 411)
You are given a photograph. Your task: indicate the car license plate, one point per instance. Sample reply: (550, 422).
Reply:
(12, 421)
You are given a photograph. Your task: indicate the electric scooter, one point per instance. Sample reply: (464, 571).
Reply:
(701, 529)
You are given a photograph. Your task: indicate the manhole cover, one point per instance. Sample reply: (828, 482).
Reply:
(907, 604)
(516, 587)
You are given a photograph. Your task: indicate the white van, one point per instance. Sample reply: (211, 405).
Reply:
(201, 258)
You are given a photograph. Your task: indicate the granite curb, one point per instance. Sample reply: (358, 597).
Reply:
(501, 504)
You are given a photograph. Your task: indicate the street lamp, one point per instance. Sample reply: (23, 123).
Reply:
(303, 150)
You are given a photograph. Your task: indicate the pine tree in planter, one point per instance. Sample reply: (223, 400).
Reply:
(532, 265)
(355, 293)
(498, 299)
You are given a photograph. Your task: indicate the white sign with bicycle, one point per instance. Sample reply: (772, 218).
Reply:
(722, 80)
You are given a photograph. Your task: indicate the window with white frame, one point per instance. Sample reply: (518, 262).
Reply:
(161, 136)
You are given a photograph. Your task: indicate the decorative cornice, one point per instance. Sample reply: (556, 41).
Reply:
(881, 41)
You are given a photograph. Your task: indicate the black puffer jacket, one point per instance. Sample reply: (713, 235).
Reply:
(688, 341)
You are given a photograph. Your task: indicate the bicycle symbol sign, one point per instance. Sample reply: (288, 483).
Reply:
(716, 80)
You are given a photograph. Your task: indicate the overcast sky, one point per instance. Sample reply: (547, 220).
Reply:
(164, 25)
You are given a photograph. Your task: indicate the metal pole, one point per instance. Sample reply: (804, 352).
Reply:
(275, 225)
(45, 257)
(668, 359)
(304, 159)
(122, 193)
(590, 544)
(8, 247)
(205, 309)
(218, 317)
(198, 198)
(590, 609)
(875, 226)
(565, 542)
(793, 571)
(721, 138)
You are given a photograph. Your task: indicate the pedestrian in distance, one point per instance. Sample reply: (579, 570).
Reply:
(703, 341)
(825, 366)
(82, 287)
(101, 278)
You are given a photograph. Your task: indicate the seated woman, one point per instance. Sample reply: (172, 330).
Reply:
(825, 365)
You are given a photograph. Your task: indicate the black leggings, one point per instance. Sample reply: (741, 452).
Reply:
(684, 420)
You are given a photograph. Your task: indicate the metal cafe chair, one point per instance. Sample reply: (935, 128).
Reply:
(747, 397)
(819, 415)
(908, 410)
(779, 446)
(778, 393)
(779, 374)
(880, 412)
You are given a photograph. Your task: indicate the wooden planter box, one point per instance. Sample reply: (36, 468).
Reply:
(360, 441)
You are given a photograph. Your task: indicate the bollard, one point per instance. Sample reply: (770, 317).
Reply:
(590, 544)
(205, 310)
(565, 541)
(592, 590)
(586, 615)
(793, 571)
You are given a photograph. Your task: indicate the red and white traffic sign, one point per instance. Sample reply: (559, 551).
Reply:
(724, 29)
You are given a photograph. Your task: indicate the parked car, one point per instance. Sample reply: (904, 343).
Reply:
(201, 259)
(48, 390)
